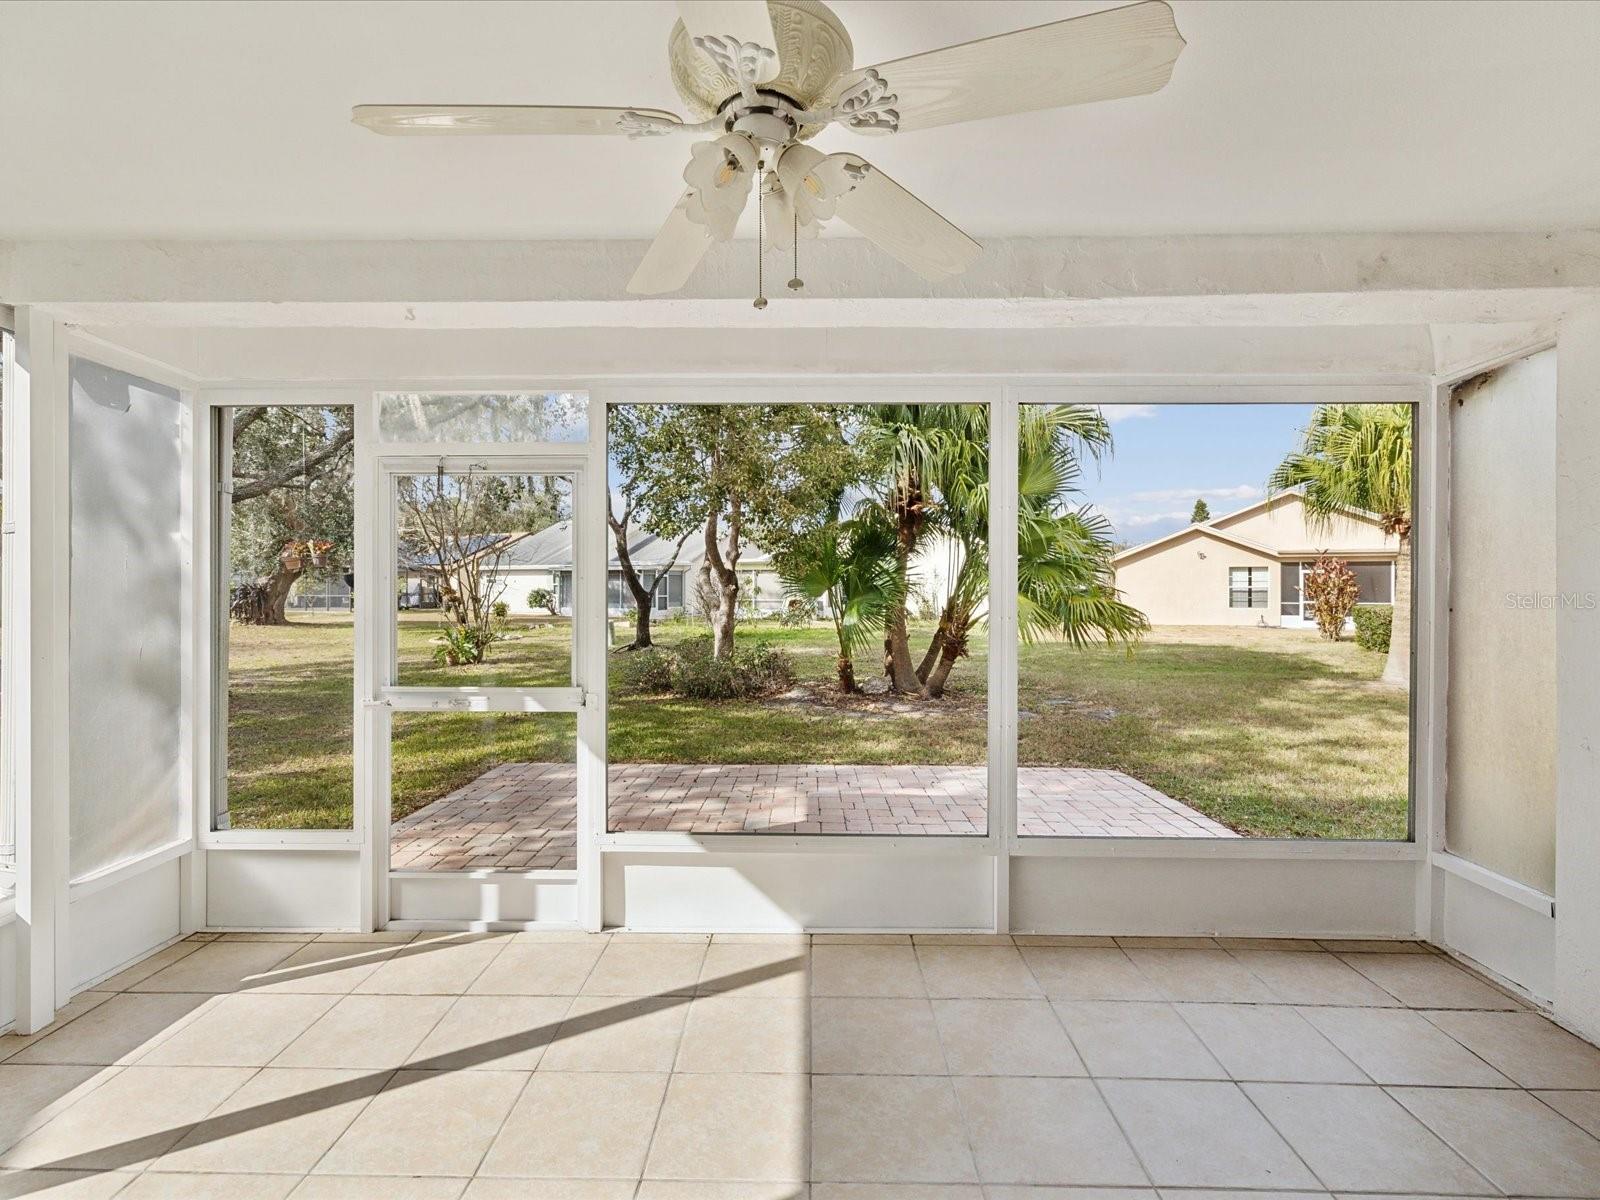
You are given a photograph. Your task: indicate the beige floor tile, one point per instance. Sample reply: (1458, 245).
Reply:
(432, 968)
(1532, 1050)
(148, 966)
(32, 1095)
(238, 1030)
(62, 1185)
(1045, 1131)
(1201, 975)
(1242, 1194)
(133, 1117)
(1373, 946)
(153, 1186)
(1268, 1042)
(280, 1122)
(652, 937)
(526, 969)
(756, 969)
(1282, 944)
(375, 1187)
(299, 939)
(888, 1129)
(426, 1123)
(868, 970)
(904, 1192)
(1429, 981)
(549, 1189)
(323, 968)
(628, 968)
(1135, 1039)
(729, 1033)
(732, 1127)
(1359, 1139)
(1167, 943)
(1088, 973)
(1203, 1135)
(1004, 1037)
(1581, 1108)
(1520, 1144)
(379, 936)
(554, 937)
(572, 1125)
(1313, 978)
(618, 1033)
(217, 967)
(860, 939)
(1023, 1191)
(961, 939)
(12, 1044)
(1397, 1046)
(491, 1033)
(874, 1035)
(796, 940)
(972, 972)
(370, 1032)
(120, 1030)
(714, 1189)
(1080, 940)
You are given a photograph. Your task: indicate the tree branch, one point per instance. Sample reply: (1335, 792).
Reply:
(309, 470)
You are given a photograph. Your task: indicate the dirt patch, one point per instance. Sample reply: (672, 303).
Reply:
(874, 703)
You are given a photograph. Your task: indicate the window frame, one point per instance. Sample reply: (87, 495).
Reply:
(1250, 589)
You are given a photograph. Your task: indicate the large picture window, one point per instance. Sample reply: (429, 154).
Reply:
(1232, 663)
(285, 632)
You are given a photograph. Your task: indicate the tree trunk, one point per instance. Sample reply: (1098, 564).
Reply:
(953, 649)
(1397, 670)
(908, 516)
(265, 602)
(847, 675)
(643, 597)
(936, 645)
(725, 580)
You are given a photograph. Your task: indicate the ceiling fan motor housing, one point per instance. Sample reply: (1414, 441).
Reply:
(813, 50)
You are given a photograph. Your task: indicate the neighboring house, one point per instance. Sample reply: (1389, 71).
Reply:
(544, 560)
(1247, 567)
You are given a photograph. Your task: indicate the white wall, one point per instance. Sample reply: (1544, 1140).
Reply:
(1577, 990)
(1501, 761)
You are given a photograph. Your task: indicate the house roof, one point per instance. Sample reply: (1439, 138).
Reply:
(1216, 527)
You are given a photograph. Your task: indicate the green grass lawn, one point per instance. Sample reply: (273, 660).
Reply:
(1274, 732)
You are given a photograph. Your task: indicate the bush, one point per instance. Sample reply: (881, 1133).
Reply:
(464, 644)
(1330, 585)
(798, 613)
(690, 670)
(1373, 623)
(542, 598)
(500, 609)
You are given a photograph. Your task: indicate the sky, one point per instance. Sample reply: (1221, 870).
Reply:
(1165, 456)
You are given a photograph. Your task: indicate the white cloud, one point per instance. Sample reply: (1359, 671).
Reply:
(1140, 520)
(1243, 491)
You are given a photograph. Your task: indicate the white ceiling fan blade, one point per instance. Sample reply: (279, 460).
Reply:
(499, 118)
(673, 256)
(1106, 55)
(897, 222)
(735, 21)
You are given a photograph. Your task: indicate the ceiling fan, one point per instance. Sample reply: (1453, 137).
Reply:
(763, 77)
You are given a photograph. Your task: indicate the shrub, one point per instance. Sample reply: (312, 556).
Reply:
(689, 669)
(798, 613)
(500, 609)
(542, 598)
(1373, 623)
(464, 644)
(1331, 587)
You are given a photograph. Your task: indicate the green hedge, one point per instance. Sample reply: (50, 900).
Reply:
(1373, 622)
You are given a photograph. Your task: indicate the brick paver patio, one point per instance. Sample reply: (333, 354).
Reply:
(521, 816)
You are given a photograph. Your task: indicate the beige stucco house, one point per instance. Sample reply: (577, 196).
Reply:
(1245, 567)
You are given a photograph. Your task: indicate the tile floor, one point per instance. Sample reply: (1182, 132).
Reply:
(658, 1067)
(521, 816)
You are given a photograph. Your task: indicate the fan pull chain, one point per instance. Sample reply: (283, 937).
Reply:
(796, 283)
(761, 243)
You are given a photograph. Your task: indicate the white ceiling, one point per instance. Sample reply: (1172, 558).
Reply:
(230, 120)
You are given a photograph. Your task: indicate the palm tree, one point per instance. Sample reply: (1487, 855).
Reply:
(1358, 456)
(1065, 581)
(850, 567)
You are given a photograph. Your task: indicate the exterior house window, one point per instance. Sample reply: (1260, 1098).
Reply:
(1247, 587)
